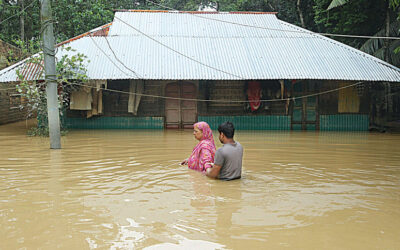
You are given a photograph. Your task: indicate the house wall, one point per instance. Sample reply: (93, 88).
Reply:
(236, 90)
(346, 110)
(9, 98)
(152, 106)
(269, 116)
(333, 103)
(115, 115)
(10, 102)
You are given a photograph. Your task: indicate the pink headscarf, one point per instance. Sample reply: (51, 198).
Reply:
(204, 151)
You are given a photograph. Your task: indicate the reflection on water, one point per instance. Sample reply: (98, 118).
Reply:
(126, 190)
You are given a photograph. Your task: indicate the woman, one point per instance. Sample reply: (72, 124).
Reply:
(203, 153)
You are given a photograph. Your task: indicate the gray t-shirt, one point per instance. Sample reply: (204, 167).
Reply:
(229, 157)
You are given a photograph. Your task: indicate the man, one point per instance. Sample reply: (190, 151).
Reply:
(228, 159)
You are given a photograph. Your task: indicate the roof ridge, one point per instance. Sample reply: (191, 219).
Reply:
(197, 12)
(103, 27)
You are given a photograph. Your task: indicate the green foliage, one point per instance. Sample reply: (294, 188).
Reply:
(70, 18)
(70, 69)
(356, 17)
(26, 49)
(10, 29)
(337, 3)
(376, 47)
(80, 17)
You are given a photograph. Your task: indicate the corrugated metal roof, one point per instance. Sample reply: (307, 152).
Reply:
(175, 24)
(29, 71)
(220, 51)
(99, 31)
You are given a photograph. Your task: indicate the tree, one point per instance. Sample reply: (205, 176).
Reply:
(22, 20)
(70, 70)
(337, 3)
(384, 49)
(356, 17)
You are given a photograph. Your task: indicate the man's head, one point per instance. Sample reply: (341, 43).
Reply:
(226, 132)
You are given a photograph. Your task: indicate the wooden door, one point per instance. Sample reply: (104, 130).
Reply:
(180, 113)
(172, 107)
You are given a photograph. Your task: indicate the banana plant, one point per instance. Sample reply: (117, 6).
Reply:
(382, 48)
(337, 3)
(376, 47)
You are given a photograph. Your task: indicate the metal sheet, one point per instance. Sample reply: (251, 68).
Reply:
(186, 47)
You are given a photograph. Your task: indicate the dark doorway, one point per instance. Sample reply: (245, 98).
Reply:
(305, 115)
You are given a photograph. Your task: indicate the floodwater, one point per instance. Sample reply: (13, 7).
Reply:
(120, 189)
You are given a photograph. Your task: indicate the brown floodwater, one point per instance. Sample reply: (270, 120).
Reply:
(121, 189)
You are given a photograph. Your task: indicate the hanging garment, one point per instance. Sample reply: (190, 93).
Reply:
(96, 87)
(97, 104)
(348, 100)
(81, 100)
(95, 97)
(254, 94)
(135, 89)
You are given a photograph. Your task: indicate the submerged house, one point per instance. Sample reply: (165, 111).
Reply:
(166, 69)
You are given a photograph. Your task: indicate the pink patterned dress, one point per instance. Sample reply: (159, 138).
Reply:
(204, 151)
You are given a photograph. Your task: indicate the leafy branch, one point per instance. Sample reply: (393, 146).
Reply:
(70, 69)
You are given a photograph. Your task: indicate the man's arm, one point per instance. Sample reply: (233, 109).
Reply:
(213, 171)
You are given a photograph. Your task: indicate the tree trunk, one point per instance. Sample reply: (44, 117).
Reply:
(300, 13)
(387, 33)
(22, 20)
(386, 44)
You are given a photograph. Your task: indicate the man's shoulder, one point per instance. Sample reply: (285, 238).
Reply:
(236, 145)
(228, 148)
(220, 150)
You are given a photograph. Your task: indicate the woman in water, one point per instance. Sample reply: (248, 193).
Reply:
(203, 154)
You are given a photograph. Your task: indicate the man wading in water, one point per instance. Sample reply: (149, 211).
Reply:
(228, 159)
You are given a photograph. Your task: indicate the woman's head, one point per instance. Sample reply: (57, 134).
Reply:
(202, 131)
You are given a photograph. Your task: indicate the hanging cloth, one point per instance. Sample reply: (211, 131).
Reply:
(81, 99)
(254, 94)
(97, 97)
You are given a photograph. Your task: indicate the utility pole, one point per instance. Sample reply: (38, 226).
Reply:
(50, 75)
